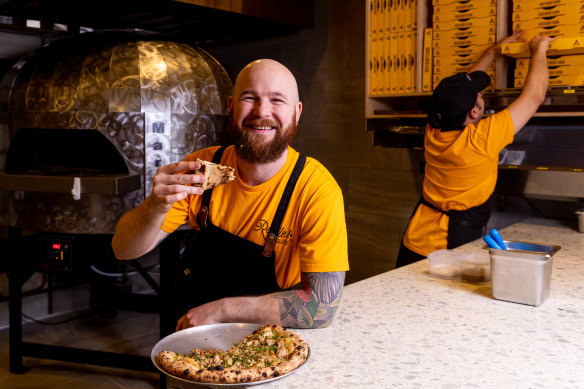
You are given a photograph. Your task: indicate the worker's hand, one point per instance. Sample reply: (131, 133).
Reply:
(173, 183)
(201, 315)
(540, 44)
(517, 36)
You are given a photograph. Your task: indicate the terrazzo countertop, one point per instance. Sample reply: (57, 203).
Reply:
(406, 329)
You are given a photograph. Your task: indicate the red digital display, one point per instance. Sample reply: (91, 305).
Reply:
(57, 246)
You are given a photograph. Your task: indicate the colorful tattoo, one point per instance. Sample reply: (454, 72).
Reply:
(313, 302)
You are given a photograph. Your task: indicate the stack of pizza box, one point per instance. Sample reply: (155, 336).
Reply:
(562, 19)
(393, 46)
(461, 31)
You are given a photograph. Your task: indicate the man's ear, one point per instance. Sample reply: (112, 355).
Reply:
(474, 113)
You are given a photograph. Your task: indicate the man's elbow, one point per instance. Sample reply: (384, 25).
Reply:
(120, 251)
(120, 254)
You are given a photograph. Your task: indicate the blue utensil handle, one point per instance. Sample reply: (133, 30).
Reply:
(497, 237)
(490, 242)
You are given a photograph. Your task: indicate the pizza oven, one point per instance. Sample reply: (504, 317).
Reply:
(85, 122)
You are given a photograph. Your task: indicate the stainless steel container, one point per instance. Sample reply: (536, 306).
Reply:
(522, 273)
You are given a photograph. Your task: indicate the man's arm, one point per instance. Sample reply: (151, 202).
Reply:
(138, 231)
(492, 52)
(536, 84)
(310, 304)
(313, 302)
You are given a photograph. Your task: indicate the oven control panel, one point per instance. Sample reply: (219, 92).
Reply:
(56, 254)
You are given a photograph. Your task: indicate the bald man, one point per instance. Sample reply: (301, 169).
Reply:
(272, 244)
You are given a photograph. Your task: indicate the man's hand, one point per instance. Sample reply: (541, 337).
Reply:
(138, 231)
(492, 52)
(539, 44)
(172, 183)
(517, 36)
(201, 315)
(250, 309)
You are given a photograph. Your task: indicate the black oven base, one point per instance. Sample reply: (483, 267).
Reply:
(169, 250)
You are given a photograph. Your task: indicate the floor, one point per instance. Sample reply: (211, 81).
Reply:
(128, 332)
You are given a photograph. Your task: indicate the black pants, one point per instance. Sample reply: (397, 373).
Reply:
(407, 256)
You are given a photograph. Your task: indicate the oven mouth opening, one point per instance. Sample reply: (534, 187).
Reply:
(62, 152)
(66, 161)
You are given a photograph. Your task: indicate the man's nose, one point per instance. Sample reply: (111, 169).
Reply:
(262, 108)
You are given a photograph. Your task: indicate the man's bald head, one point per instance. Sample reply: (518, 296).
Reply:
(273, 72)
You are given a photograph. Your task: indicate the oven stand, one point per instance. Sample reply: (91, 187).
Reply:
(169, 250)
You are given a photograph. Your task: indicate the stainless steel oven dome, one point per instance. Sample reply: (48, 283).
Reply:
(85, 122)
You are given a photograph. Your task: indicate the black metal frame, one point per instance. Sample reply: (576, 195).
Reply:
(169, 250)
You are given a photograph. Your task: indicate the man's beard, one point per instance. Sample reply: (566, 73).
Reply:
(248, 147)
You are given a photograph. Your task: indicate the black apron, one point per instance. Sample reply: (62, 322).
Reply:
(218, 264)
(467, 225)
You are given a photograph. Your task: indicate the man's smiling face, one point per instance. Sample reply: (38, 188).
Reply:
(264, 111)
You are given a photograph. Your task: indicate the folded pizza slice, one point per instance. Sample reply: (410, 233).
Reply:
(215, 174)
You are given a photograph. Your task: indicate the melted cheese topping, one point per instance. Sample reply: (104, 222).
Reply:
(263, 349)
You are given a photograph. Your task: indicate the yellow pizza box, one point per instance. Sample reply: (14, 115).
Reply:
(427, 61)
(459, 62)
(538, 13)
(456, 59)
(561, 46)
(460, 7)
(553, 71)
(414, 10)
(464, 32)
(455, 24)
(486, 39)
(558, 6)
(560, 20)
(445, 2)
(393, 72)
(388, 64)
(436, 78)
(546, 3)
(459, 67)
(407, 58)
(386, 16)
(465, 14)
(569, 80)
(455, 50)
(407, 11)
(372, 65)
(382, 55)
(563, 60)
(401, 63)
(567, 15)
(400, 15)
(393, 12)
(553, 31)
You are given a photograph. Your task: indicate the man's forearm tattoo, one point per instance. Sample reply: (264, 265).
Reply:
(313, 302)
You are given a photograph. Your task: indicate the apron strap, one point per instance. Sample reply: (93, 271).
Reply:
(277, 221)
(203, 215)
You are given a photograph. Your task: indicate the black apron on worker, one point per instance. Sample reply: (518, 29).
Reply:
(218, 264)
(466, 225)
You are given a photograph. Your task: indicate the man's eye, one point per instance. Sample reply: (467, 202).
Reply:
(248, 98)
(277, 101)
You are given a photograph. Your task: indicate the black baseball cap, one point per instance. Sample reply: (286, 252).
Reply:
(454, 97)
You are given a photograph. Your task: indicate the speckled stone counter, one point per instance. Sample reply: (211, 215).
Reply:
(407, 329)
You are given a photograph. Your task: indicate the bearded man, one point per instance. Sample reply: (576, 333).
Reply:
(271, 245)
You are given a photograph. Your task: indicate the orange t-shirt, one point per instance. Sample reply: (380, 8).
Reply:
(461, 173)
(313, 233)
